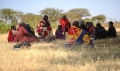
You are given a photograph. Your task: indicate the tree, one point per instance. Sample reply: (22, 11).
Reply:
(53, 14)
(77, 13)
(31, 19)
(8, 14)
(99, 18)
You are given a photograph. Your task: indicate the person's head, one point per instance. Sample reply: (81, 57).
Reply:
(87, 23)
(45, 17)
(22, 24)
(64, 16)
(59, 27)
(13, 27)
(91, 23)
(110, 23)
(98, 25)
(27, 26)
(82, 22)
(75, 23)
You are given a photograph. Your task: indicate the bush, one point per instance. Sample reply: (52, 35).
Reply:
(4, 28)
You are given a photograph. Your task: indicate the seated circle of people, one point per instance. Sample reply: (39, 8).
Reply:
(59, 33)
(44, 28)
(99, 32)
(12, 33)
(64, 22)
(111, 30)
(23, 35)
(77, 36)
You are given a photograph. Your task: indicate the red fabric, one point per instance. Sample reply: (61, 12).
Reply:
(91, 28)
(64, 23)
(72, 30)
(41, 30)
(23, 35)
(11, 37)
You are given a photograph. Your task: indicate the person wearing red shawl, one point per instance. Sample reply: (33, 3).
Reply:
(23, 35)
(65, 24)
(12, 34)
(44, 28)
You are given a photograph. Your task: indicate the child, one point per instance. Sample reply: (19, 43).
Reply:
(12, 34)
(59, 33)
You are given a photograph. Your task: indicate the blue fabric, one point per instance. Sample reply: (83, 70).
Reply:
(81, 36)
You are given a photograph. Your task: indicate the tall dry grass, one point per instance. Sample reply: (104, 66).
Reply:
(53, 56)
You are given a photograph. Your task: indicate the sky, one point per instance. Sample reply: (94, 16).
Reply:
(110, 8)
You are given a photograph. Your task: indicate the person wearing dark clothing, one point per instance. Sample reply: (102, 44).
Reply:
(111, 30)
(29, 29)
(87, 26)
(82, 25)
(59, 33)
(100, 32)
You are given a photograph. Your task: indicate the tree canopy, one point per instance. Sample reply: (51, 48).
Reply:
(53, 14)
(77, 13)
(99, 18)
(8, 14)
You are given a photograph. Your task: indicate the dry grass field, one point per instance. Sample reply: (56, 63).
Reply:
(53, 56)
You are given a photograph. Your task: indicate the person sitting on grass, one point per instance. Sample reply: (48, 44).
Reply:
(12, 34)
(100, 32)
(29, 29)
(77, 36)
(44, 29)
(111, 30)
(23, 35)
(59, 33)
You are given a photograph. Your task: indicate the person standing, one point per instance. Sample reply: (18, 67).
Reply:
(65, 24)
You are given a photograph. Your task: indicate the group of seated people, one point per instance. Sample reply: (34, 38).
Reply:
(74, 34)
(98, 31)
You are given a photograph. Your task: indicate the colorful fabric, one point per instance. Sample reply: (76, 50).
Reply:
(59, 34)
(91, 31)
(77, 35)
(65, 24)
(44, 28)
(23, 35)
(11, 36)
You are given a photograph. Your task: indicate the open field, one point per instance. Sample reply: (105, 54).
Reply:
(54, 56)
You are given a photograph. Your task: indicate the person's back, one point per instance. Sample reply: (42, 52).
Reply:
(77, 36)
(111, 30)
(12, 34)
